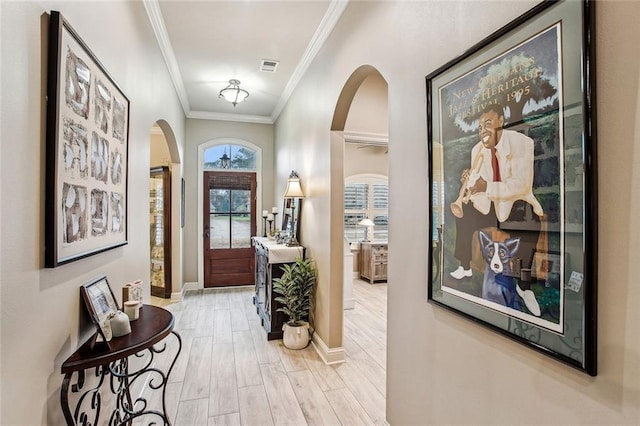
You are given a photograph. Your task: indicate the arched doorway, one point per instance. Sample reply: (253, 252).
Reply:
(359, 144)
(166, 274)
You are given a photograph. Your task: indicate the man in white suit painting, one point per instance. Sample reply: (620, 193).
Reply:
(501, 173)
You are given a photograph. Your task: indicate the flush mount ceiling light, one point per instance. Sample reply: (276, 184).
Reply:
(233, 93)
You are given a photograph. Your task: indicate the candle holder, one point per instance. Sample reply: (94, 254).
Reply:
(274, 214)
(270, 220)
(264, 223)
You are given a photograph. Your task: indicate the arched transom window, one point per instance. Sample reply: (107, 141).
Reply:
(229, 157)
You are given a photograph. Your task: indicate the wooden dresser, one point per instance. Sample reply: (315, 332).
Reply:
(270, 257)
(373, 261)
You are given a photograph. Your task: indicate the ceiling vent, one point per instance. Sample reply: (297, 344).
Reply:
(268, 65)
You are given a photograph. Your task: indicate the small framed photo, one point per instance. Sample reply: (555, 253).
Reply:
(99, 301)
(544, 263)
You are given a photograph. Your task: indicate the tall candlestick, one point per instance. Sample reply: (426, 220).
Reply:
(264, 222)
(274, 210)
(270, 220)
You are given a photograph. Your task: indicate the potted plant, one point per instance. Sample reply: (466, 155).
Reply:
(295, 288)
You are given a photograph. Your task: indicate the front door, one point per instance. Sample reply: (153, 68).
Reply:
(229, 223)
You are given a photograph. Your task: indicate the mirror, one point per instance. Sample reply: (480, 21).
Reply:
(291, 216)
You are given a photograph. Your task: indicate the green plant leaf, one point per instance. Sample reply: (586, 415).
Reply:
(295, 289)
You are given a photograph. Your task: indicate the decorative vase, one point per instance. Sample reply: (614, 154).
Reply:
(295, 337)
(120, 324)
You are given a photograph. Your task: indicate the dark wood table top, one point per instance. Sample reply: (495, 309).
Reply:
(153, 325)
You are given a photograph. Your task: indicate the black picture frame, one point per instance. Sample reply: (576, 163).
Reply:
(539, 70)
(100, 303)
(87, 138)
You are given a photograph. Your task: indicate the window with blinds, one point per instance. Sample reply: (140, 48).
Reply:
(356, 196)
(366, 197)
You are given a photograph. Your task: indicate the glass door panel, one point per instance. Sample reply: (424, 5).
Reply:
(241, 230)
(219, 231)
(240, 219)
(159, 233)
(229, 219)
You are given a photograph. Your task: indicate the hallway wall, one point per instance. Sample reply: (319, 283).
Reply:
(444, 369)
(40, 309)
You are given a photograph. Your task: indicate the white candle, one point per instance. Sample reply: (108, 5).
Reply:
(131, 309)
(264, 213)
(274, 210)
(269, 217)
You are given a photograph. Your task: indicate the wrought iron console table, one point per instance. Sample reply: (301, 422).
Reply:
(152, 326)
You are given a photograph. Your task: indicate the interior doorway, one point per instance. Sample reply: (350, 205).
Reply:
(360, 138)
(160, 231)
(165, 230)
(229, 219)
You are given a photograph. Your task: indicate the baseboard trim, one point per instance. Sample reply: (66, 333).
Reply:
(329, 355)
(177, 296)
(349, 303)
(194, 285)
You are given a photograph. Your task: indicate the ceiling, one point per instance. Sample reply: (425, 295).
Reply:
(207, 43)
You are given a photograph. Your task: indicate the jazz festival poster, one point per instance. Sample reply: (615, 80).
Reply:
(525, 81)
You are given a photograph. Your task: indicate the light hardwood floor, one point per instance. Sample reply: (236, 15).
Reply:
(229, 374)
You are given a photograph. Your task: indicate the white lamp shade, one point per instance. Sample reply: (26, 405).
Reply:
(293, 190)
(233, 93)
(366, 222)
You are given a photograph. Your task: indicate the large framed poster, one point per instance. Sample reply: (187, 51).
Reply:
(87, 143)
(512, 166)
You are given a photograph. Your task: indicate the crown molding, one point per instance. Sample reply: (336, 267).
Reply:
(328, 23)
(157, 22)
(221, 116)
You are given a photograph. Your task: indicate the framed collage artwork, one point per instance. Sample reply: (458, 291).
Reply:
(87, 139)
